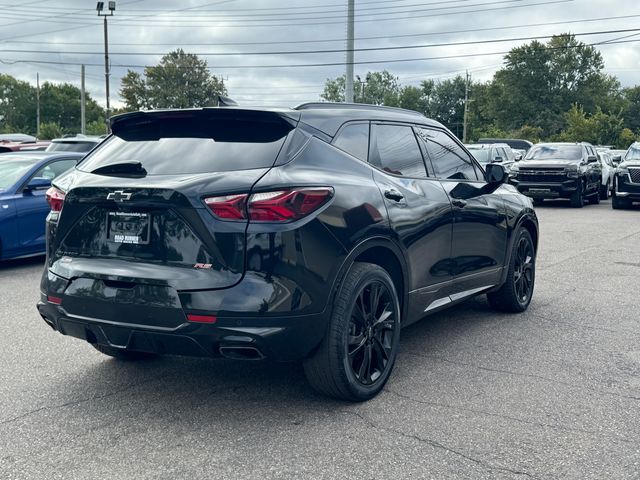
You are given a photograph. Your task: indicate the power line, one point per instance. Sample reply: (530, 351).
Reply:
(307, 52)
(326, 64)
(341, 40)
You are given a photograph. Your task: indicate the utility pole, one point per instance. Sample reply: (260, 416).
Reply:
(466, 107)
(82, 102)
(100, 9)
(38, 105)
(348, 91)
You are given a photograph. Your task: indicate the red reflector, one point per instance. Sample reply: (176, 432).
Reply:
(201, 318)
(55, 198)
(54, 300)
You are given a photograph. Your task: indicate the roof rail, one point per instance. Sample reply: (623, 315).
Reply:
(354, 106)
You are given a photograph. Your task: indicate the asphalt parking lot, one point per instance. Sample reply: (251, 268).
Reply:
(552, 393)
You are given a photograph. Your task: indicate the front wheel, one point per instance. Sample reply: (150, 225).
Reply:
(618, 203)
(516, 293)
(356, 356)
(577, 199)
(604, 191)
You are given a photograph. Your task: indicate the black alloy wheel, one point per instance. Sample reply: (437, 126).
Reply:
(356, 357)
(371, 330)
(515, 294)
(524, 270)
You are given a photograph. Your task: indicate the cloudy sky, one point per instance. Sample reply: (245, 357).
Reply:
(280, 53)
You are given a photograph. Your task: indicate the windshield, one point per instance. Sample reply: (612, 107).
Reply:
(12, 170)
(633, 154)
(70, 146)
(481, 155)
(555, 152)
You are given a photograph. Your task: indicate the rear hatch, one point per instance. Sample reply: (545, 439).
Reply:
(134, 213)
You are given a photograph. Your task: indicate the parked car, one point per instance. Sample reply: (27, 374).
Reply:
(6, 146)
(24, 179)
(626, 187)
(17, 137)
(512, 142)
(78, 143)
(608, 172)
(493, 153)
(617, 156)
(360, 220)
(559, 170)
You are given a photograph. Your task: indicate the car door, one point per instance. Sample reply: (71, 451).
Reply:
(32, 208)
(479, 243)
(419, 211)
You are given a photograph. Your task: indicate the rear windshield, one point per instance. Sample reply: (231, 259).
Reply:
(555, 152)
(171, 147)
(70, 146)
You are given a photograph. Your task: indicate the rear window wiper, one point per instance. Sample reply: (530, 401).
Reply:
(129, 169)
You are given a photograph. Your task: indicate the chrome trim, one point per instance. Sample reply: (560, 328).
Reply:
(441, 302)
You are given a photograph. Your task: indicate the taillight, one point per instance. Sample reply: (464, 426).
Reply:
(277, 206)
(55, 198)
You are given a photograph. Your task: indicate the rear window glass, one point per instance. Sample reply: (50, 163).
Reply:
(176, 146)
(70, 146)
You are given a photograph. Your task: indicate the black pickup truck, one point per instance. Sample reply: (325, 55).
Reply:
(559, 170)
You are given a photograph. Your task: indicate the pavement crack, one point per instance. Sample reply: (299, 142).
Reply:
(74, 403)
(435, 444)
(525, 375)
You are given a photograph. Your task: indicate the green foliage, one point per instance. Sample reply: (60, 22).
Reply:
(599, 128)
(378, 88)
(17, 105)
(180, 80)
(97, 127)
(626, 138)
(51, 130)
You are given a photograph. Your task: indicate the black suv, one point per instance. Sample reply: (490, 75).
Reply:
(310, 234)
(626, 183)
(559, 170)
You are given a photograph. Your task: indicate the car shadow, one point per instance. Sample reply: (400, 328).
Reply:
(217, 388)
(21, 262)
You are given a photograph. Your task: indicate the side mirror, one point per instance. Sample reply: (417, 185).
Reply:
(498, 159)
(518, 157)
(616, 159)
(38, 183)
(592, 159)
(496, 174)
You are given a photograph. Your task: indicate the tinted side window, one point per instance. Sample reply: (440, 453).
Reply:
(448, 159)
(354, 139)
(394, 149)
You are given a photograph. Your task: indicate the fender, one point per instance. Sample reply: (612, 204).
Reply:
(364, 245)
(526, 216)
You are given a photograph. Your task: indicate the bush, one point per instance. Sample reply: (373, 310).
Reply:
(96, 127)
(50, 130)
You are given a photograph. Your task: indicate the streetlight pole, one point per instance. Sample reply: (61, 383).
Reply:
(102, 13)
(348, 92)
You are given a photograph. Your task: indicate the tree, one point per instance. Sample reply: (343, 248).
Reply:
(60, 103)
(631, 109)
(180, 80)
(600, 128)
(17, 105)
(378, 88)
(51, 130)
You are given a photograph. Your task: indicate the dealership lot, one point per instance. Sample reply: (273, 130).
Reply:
(551, 393)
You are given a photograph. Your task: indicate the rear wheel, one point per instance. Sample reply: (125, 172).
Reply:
(604, 191)
(594, 199)
(122, 354)
(515, 294)
(356, 356)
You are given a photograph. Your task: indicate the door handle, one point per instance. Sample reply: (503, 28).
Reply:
(394, 195)
(457, 202)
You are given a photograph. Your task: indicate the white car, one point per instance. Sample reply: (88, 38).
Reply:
(608, 172)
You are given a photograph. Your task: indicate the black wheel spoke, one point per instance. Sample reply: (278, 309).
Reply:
(364, 374)
(523, 269)
(356, 343)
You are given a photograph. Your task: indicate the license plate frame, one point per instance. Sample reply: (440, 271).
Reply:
(130, 228)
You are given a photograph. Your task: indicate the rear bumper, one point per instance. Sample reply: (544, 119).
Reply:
(546, 190)
(283, 339)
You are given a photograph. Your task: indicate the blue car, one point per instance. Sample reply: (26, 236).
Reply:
(24, 180)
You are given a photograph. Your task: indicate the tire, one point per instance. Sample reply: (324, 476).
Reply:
(515, 294)
(538, 202)
(618, 203)
(337, 368)
(577, 199)
(595, 198)
(122, 354)
(604, 192)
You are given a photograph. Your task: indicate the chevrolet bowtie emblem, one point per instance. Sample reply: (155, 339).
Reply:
(119, 196)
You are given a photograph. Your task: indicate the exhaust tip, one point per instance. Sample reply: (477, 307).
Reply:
(241, 353)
